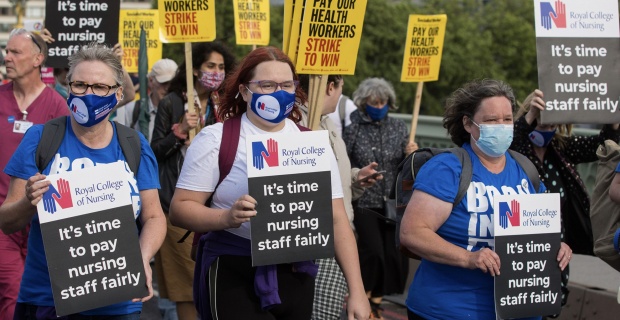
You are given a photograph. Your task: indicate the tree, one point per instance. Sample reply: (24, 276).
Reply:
(484, 39)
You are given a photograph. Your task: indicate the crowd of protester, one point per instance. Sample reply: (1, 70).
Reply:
(179, 175)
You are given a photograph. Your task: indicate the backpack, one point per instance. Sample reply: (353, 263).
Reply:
(54, 132)
(408, 169)
(226, 157)
(604, 213)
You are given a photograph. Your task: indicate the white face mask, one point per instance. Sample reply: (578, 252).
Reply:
(494, 139)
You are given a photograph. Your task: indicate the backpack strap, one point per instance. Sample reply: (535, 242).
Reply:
(342, 106)
(528, 167)
(466, 173)
(228, 146)
(302, 128)
(130, 144)
(135, 115)
(226, 158)
(51, 139)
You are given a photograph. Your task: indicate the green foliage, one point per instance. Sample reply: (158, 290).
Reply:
(484, 39)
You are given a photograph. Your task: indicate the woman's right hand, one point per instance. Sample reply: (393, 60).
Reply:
(242, 210)
(486, 260)
(537, 104)
(36, 186)
(190, 121)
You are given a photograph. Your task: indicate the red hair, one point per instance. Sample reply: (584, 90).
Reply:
(232, 103)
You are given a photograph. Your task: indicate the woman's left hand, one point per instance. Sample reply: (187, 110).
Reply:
(564, 255)
(148, 276)
(358, 307)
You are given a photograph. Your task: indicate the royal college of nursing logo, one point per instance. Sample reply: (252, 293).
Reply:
(262, 155)
(62, 196)
(550, 16)
(267, 107)
(509, 213)
(79, 109)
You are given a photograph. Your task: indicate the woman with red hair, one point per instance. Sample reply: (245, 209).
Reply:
(226, 286)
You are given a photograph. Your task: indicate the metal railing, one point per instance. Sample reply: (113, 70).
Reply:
(430, 133)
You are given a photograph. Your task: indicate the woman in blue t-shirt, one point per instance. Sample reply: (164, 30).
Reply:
(96, 86)
(456, 243)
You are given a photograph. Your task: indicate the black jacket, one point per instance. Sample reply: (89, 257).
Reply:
(167, 147)
(381, 141)
(579, 149)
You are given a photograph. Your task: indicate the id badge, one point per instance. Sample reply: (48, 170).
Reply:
(20, 126)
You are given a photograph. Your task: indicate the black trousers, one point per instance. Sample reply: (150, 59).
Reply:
(232, 292)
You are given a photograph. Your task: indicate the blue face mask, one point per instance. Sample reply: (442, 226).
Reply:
(494, 139)
(541, 138)
(90, 109)
(377, 114)
(273, 107)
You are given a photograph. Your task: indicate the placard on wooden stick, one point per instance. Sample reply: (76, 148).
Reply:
(422, 56)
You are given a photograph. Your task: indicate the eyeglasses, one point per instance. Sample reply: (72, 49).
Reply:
(268, 86)
(100, 89)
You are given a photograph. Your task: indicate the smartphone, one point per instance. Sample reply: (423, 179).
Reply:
(372, 176)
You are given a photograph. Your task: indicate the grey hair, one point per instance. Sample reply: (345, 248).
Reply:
(97, 52)
(377, 88)
(36, 38)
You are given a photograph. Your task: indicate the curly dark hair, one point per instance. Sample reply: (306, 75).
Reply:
(201, 51)
(466, 100)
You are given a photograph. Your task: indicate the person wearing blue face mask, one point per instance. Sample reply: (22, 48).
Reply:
(262, 94)
(455, 277)
(95, 88)
(555, 152)
(373, 137)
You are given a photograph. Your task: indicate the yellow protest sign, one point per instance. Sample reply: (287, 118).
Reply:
(186, 21)
(288, 21)
(252, 22)
(425, 34)
(330, 36)
(295, 27)
(130, 23)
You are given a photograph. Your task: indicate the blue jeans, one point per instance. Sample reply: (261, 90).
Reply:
(25, 311)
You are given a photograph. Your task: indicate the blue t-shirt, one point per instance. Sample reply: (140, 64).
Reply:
(72, 155)
(440, 291)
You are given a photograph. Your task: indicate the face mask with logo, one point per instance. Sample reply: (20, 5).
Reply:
(377, 114)
(541, 138)
(211, 80)
(88, 110)
(494, 139)
(273, 107)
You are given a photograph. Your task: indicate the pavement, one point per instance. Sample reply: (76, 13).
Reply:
(593, 284)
